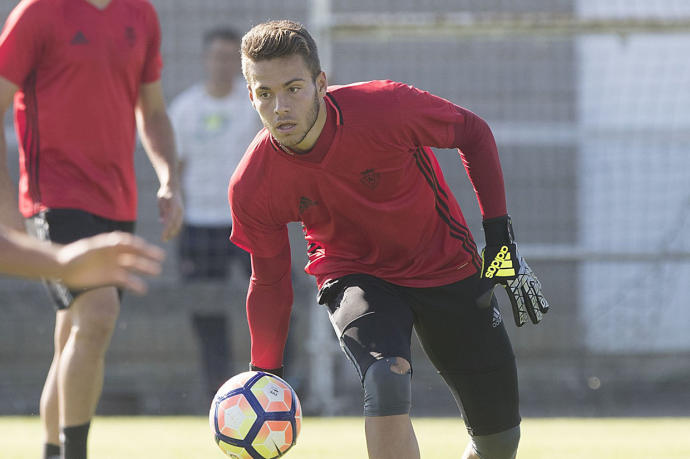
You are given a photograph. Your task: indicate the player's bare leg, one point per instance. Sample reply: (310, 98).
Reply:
(392, 437)
(80, 373)
(470, 453)
(49, 396)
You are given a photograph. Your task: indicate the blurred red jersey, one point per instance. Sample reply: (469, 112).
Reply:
(370, 194)
(79, 69)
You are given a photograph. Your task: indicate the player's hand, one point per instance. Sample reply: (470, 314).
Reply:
(276, 371)
(171, 211)
(502, 264)
(109, 259)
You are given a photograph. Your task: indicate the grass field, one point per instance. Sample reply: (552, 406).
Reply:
(335, 438)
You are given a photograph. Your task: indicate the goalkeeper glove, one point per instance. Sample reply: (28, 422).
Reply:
(502, 264)
(277, 371)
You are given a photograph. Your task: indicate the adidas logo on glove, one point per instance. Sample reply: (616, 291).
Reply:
(501, 264)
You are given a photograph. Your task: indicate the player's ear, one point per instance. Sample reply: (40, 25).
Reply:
(251, 94)
(321, 84)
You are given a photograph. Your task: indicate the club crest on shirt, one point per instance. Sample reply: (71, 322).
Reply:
(305, 203)
(370, 178)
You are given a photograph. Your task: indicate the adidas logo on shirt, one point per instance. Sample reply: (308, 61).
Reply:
(79, 39)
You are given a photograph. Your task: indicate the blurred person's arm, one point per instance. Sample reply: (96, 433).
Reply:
(106, 259)
(9, 212)
(175, 114)
(157, 136)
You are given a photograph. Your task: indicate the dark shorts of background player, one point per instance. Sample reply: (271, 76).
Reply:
(68, 225)
(205, 252)
(469, 346)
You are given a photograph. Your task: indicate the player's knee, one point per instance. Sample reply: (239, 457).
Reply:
(95, 313)
(501, 445)
(388, 387)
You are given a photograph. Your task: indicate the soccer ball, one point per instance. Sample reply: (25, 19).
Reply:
(255, 415)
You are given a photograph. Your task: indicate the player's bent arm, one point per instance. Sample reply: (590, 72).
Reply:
(269, 303)
(156, 132)
(477, 146)
(106, 259)
(9, 213)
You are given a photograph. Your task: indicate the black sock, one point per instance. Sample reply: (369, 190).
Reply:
(51, 451)
(74, 441)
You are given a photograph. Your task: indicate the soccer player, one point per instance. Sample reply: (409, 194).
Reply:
(80, 71)
(386, 239)
(214, 122)
(105, 259)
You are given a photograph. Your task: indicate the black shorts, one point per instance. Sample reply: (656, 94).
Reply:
(63, 226)
(206, 252)
(468, 346)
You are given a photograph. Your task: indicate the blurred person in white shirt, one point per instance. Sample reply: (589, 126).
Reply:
(214, 123)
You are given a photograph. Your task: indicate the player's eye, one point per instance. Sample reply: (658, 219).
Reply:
(264, 95)
(294, 89)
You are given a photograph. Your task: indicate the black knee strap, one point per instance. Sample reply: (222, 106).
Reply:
(501, 445)
(386, 393)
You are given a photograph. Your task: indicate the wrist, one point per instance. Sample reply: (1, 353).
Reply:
(275, 371)
(170, 185)
(498, 230)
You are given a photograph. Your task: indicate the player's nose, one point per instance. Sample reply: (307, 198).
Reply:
(281, 105)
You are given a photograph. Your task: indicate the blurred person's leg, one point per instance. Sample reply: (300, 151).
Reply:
(205, 256)
(81, 367)
(212, 334)
(85, 321)
(49, 407)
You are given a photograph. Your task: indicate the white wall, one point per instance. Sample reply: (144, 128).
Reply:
(634, 189)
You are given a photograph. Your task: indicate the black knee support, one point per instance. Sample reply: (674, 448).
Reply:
(386, 393)
(501, 445)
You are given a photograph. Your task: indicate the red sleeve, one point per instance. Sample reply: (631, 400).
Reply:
(21, 42)
(254, 236)
(154, 62)
(427, 120)
(253, 227)
(432, 121)
(269, 303)
(475, 141)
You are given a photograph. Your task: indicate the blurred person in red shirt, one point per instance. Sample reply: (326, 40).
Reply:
(84, 74)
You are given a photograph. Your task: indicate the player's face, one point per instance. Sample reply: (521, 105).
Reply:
(222, 61)
(290, 103)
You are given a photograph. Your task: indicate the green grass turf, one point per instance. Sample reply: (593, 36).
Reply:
(334, 438)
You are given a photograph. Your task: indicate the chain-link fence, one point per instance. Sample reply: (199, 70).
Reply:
(589, 104)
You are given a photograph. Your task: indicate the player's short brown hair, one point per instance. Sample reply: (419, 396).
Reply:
(273, 39)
